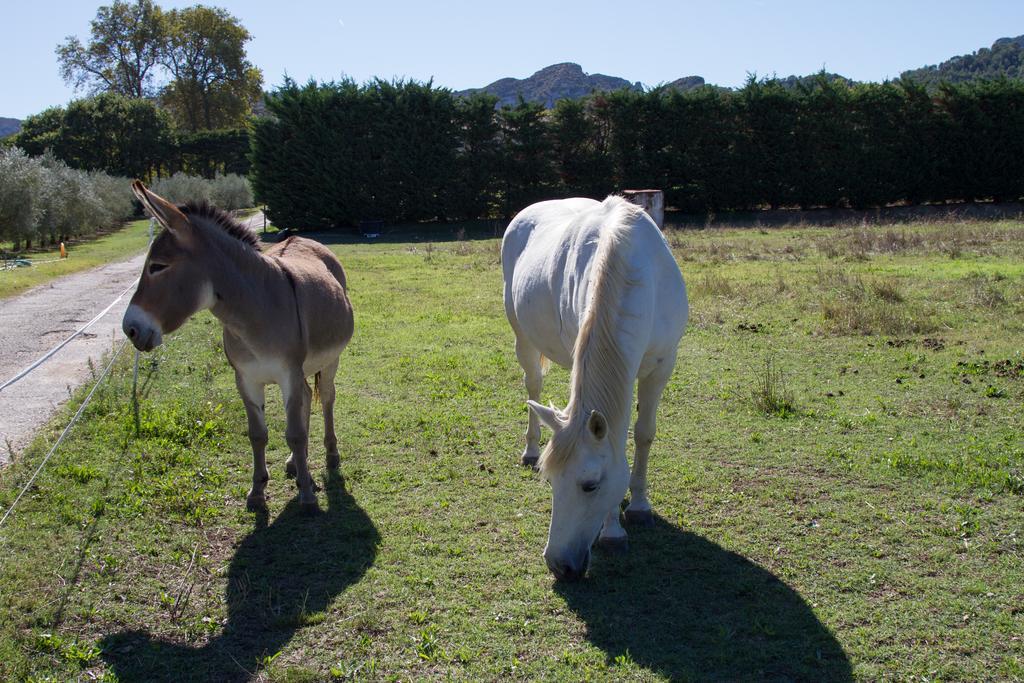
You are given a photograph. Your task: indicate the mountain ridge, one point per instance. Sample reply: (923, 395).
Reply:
(568, 80)
(9, 126)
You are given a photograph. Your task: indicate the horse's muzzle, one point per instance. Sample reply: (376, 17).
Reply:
(568, 570)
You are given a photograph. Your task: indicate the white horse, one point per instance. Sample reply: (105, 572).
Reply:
(592, 286)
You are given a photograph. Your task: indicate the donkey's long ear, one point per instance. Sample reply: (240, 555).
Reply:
(163, 211)
(549, 415)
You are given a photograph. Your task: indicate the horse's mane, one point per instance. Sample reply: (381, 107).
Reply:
(222, 219)
(599, 372)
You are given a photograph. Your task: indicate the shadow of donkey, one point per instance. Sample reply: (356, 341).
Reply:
(689, 609)
(281, 574)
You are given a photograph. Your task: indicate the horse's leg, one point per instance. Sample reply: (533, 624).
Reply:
(530, 360)
(253, 399)
(297, 399)
(327, 404)
(649, 392)
(613, 536)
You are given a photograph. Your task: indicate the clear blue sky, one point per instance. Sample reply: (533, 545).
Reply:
(465, 44)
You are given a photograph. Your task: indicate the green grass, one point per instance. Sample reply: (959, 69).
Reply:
(118, 245)
(869, 530)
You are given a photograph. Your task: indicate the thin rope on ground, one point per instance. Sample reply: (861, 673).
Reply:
(45, 357)
(67, 430)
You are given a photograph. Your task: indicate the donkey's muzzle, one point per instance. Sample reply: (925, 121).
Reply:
(141, 330)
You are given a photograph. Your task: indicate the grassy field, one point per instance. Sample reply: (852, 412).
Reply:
(838, 474)
(115, 246)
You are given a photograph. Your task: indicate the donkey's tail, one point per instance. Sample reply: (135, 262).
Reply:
(316, 388)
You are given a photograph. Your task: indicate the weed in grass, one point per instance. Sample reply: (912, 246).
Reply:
(771, 395)
(781, 285)
(985, 291)
(887, 289)
(427, 644)
(713, 284)
(994, 392)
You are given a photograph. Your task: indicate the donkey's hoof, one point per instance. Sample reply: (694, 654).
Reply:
(256, 503)
(289, 468)
(309, 508)
(333, 460)
(615, 545)
(639, 517)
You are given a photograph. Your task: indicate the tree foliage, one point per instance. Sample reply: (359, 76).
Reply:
(41, 198)
(213, 85)
(1005, 59)
(127, 40)
(194, 59)
(131, 137)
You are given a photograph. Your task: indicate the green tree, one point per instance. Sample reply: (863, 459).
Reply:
(123, 53)
(212, 85)
(414, 142)
(109, 132)
(472, 193)
(527, 169)
(580, 146)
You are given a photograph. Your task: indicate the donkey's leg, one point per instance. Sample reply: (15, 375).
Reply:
(649, 392)
(327, 404)
(530, 360)
(289, 464)
(297, 400)
(253, 398)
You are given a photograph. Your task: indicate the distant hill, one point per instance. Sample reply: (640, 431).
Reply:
(551, 84)
(569, 81)
(9, 126)
(686, 83)
(1004, 58)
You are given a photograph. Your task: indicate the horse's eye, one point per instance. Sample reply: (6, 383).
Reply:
(155, 268)
(590, 486)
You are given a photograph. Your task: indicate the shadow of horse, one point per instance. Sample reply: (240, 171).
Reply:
(280, 575)
(684, 607)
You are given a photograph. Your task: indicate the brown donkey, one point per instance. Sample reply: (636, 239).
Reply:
(285, 314)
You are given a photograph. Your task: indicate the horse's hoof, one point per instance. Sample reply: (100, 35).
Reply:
(529, 461)
(617, 545)
(256, 503)
(289, 468)
(309, 509)
(639, 517)
(333, 460)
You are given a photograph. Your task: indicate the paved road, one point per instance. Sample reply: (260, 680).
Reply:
(34, 322)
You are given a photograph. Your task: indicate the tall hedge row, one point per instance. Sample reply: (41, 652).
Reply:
(335, 154)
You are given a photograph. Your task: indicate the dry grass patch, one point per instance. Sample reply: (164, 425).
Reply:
(887, 289)
(713, 284)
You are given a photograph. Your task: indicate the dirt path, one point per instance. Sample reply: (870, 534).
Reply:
(34, 322)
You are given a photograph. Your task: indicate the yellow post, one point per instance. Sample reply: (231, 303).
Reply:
(63, 251)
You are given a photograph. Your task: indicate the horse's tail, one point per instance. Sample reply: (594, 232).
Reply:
(545, 363)
(316, 388)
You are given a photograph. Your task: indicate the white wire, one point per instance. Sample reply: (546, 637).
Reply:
(45, 357)
(67, 429)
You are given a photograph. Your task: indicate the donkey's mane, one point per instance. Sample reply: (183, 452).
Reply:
(222, 219)
(599, 373)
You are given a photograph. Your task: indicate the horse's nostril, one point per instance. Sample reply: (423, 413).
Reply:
(132, 332)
